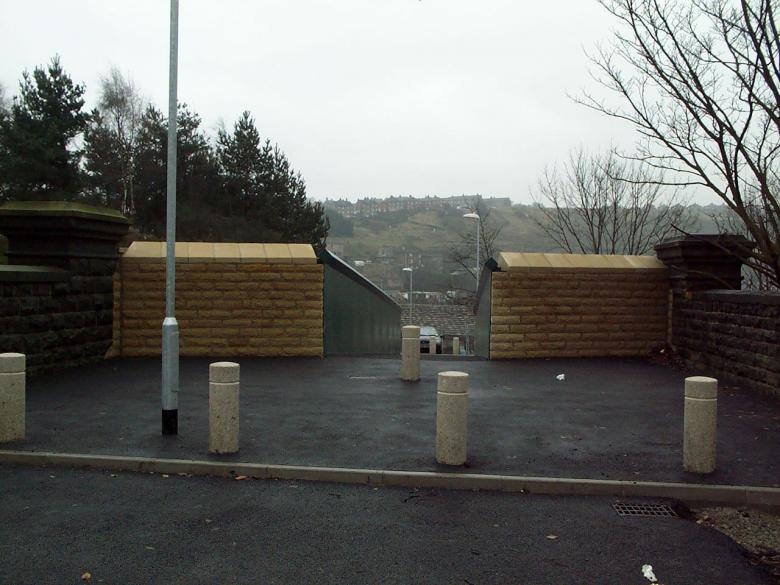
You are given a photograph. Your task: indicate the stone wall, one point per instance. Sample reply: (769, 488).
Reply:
(56, 296)
(732, 335)
(231, 300)
(556, 309)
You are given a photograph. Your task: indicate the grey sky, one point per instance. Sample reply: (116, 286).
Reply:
(367, 97)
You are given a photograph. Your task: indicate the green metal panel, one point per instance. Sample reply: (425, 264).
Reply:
(359, 317)
(483, 315)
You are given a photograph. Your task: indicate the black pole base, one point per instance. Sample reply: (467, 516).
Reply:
(170, 422)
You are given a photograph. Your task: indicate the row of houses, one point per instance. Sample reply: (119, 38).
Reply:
(371, 206)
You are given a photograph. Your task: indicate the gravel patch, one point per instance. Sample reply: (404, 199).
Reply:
(757, 531)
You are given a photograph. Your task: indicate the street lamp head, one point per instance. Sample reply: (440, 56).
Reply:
(471, 215)
(407, 269)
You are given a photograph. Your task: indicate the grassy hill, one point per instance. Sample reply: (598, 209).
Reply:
(437, 231)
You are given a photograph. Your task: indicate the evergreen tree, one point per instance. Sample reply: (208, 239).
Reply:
(260, 186)
(197, 181)
(36, 137)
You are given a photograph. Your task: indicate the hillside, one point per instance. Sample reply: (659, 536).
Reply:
(437, 231)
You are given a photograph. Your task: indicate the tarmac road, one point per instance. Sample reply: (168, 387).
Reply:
(57, 524)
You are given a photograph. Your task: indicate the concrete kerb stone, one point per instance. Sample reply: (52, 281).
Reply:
(722, 494)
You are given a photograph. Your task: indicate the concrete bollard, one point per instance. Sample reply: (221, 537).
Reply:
(456, 346)
(12, 397)
(223, 407)
(452, 405)
(410, 353)
(700, 424)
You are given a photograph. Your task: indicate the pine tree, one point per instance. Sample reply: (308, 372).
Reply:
(36, 137)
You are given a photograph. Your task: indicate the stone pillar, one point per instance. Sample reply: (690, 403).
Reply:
(456, 346)
(73, 308)
(452, 403)
(700, 425)
(223, 407)
(410, 353)
(12, 397)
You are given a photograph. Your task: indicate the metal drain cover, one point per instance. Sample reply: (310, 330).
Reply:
(644, 510)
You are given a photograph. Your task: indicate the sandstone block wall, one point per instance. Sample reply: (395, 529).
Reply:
(227, 304)
(577, 312)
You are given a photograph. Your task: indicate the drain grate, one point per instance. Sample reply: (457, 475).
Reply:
(644, 510)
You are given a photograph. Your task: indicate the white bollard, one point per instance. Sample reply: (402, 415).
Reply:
(410, 353)
(223, 407)
(12, 397)
(700, 430)
(456, 346)
(452, 405)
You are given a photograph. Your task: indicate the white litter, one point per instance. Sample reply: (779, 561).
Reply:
(560, 377)
(647, 571)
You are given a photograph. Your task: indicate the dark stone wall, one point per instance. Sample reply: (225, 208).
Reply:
(56, 295)
(731, 335)
(62, 320)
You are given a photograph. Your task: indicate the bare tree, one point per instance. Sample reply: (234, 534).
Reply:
(605, 204)
(121, 107)
(700, 81)
(463, 251)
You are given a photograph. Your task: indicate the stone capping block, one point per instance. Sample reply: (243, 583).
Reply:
(701, 387)
(410, 332)
(208, 252)
(62, 209)
(510, 261)
(748, 297)
(12, 363)
(224, 372)
(278, 254)
(22, 273)
(453, 382)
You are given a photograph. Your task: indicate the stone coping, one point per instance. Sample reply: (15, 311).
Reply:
(747, 297)
(197, 252)
(62, 209)
(21, 273)
(510, 261)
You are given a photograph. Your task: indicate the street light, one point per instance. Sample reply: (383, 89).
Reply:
(411, 292)
(170, 328)
(476, 273)
(479, 220)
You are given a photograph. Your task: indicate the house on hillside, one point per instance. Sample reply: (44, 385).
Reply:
(449, 320)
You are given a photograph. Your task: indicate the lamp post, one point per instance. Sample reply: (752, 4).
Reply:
(479, 220)
(476, 272)
(170, 328)
(411, 292)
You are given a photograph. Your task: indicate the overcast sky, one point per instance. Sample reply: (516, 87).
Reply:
(366, 97)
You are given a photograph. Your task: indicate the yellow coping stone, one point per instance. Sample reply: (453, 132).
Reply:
(302, 254)
(278, 253)
(182, 251)
(521, 261)
(201, 252)
(226, 252)
(145, 250)
(252, 253)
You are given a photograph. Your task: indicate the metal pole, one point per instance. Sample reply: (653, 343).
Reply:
(170, 328)
(479, 220)
(411, 296)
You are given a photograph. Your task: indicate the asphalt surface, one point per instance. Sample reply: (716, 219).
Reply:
(56, 525)
(609, 419)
